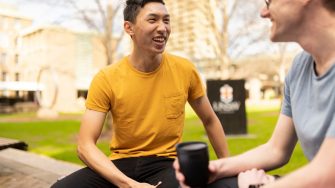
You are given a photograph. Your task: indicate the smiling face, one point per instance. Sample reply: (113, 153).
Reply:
(287, 18)
(151, 29)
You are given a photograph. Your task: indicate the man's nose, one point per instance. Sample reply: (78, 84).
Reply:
(264, 13)
(162, 27)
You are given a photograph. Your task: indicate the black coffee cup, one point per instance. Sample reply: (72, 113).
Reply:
(193, 160)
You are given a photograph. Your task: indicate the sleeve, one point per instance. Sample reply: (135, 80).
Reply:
(286, 105)
(331, 116)
(196, 89)
(331, 129)
(98, 97)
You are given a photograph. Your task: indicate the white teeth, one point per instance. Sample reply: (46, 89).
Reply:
(159, 39)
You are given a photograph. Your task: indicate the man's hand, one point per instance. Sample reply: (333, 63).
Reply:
(254, 177)
(144, 185)
(213, 168)
(179, 175)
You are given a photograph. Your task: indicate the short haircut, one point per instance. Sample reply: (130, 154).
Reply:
(133, 7)
(329, 4)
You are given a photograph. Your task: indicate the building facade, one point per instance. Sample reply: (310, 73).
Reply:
(62, 63)
(11, 23)
(194, 32)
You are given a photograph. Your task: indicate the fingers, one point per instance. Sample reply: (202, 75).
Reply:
(211, 167)
(176, 164)
(269, 179)
(179, 176)
(252, 177)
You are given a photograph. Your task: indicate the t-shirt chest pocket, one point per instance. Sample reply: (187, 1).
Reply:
(174, 106)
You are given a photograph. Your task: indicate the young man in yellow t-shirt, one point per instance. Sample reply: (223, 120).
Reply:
(146, 93)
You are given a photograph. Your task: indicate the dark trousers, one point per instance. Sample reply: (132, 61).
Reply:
(142, 169)
(230, 182)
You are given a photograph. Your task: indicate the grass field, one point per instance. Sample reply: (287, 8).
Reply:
(57, 139)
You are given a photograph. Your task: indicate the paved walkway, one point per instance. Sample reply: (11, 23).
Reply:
(21, 169)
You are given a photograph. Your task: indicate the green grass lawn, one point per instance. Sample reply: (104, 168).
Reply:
(57, 139)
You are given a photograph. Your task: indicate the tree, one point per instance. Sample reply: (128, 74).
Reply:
(237, 32)
(99, 16)
(107, 12)
(101, 19)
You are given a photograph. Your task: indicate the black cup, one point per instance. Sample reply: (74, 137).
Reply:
(193, 160)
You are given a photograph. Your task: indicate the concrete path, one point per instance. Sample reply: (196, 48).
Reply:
(21, 169)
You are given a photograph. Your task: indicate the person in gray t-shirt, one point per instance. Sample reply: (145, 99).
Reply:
(308, 110)
(310, 101)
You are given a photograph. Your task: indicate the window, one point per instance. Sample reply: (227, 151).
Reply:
(4, 76)
(82, 93)
(17, 76)
(18, 42)
(3, 58)
(16, 59)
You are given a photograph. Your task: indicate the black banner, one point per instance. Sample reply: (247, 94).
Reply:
(227, 98)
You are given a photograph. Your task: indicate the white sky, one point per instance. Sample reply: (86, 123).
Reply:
(62, 13)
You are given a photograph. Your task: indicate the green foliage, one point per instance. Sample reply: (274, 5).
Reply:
(52, 138)
(57, 139)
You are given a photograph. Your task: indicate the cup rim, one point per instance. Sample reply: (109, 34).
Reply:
(181, 144)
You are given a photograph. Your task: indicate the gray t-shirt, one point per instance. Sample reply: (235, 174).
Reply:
(310, 101)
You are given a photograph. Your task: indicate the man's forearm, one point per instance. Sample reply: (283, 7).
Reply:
(320, 172)
(261, 157)
(304, 177)
(98, 162)
(217, 138)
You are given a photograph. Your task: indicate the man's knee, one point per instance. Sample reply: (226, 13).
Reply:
(83, 178)
(230, 182)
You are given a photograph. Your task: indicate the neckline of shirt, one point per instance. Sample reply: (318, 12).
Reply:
(146, 74)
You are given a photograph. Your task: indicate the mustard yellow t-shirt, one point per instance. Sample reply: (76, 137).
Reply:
(147, 108)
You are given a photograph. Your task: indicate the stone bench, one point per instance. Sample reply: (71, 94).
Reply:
(24, 169)
(12, 143)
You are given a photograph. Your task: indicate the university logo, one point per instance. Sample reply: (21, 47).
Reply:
(226, 93)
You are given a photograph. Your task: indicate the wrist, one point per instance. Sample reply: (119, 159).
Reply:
(126, 183)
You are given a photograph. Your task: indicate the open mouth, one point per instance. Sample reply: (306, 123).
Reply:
(159, 39)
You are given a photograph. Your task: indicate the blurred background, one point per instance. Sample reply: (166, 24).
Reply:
(51, 49)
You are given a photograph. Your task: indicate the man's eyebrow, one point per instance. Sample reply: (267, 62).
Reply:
(157, 15)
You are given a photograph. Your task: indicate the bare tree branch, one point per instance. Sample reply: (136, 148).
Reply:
(102, 12)
(90, 23)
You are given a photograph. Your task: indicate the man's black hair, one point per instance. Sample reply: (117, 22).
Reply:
(329, 4)
(132, 8)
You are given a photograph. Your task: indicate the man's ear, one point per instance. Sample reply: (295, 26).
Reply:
(128, 27)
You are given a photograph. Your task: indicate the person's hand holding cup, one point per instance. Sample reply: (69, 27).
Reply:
(193, 163)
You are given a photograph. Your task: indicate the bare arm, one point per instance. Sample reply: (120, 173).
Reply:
(276, 152)
(90, 154)
(320, 172)
(212, 125)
